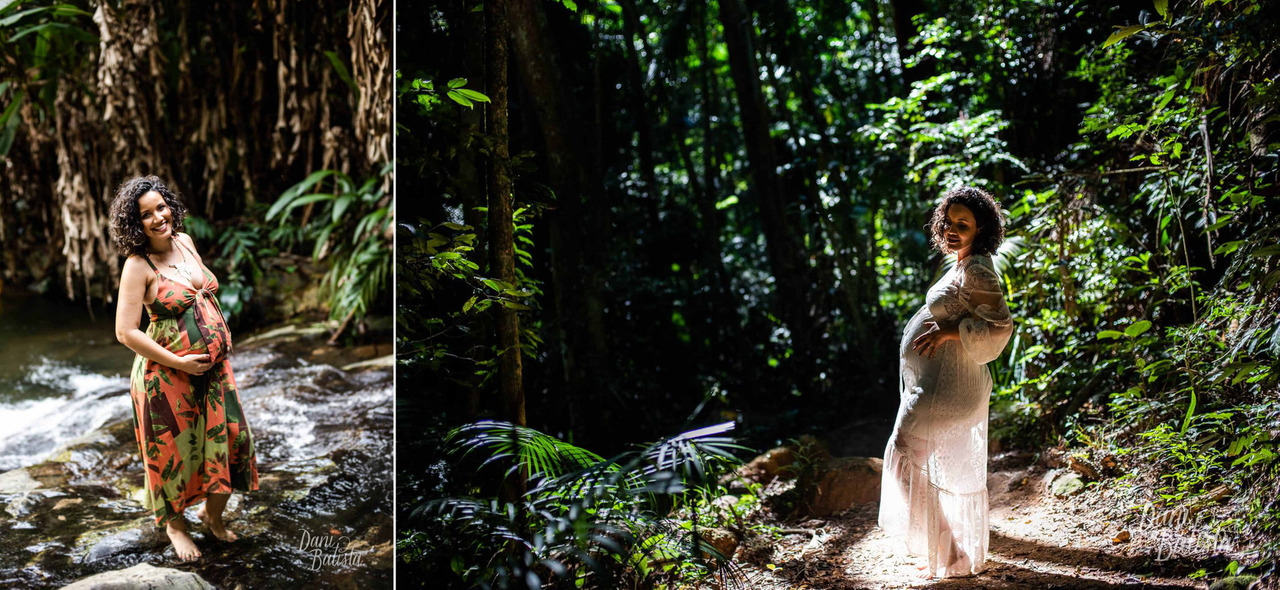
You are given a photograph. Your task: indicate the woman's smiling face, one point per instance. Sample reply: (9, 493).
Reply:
(156, 216)
(961, 229)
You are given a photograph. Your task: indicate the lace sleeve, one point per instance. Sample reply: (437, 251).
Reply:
(985, 330)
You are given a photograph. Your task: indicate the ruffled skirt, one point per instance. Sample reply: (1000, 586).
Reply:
(934, 487)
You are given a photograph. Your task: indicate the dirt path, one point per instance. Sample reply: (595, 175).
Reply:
(1037, 541)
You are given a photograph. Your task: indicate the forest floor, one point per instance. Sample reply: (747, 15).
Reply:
(1092, 539)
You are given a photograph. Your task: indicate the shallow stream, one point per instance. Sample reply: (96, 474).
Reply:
(322, 515)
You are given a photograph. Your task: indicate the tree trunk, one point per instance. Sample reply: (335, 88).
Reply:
(501, 241)
(786, 255)
(712, 225)
(577, 291)
(905, 31)
(471, 184)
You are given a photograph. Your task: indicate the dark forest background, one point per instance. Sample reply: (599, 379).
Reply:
(696, 212)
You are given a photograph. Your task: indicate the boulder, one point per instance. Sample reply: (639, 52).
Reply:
(1246, 582)
(781, 462)
(724, 541)
(143, 576)
(842, 482)
(769, 466)
(1066, 484)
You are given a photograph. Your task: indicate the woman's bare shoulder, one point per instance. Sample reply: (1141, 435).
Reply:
(188, 242)
(134, 260)
(135, 267)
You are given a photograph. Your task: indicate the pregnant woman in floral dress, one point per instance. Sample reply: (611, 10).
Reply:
(934, 487)
(190, 429)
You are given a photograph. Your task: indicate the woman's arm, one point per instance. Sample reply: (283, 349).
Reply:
(133, 287)
(986, 329)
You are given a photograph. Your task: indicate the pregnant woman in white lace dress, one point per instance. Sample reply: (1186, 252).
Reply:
(934, 488)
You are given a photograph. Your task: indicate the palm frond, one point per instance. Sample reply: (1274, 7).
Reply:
(592, 520)
(538, 455)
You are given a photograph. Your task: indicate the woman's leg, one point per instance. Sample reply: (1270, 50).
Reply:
(182, 543)
(211, 515)
(916, 450)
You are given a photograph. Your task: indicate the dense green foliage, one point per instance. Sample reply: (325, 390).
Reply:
(351, 231)
(345, 230)
(1134, 151)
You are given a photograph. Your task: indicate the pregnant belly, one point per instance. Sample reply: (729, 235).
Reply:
(212, 337)
(921, 373)
(917, 325)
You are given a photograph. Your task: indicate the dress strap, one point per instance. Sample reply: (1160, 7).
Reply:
(149, 263)
(181, 245)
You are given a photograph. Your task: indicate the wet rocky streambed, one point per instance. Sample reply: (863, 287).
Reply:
(322, 517)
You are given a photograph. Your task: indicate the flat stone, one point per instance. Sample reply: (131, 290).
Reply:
(143, 576)
(67, 503)
(131, 539)
(17, 481)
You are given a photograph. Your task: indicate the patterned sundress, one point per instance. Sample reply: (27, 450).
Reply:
(191, 431)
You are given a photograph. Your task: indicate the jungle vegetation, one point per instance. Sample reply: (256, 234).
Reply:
(642, 218)
(272, 118)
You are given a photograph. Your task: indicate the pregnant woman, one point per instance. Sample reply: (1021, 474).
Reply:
(934, 488)
(192, 434)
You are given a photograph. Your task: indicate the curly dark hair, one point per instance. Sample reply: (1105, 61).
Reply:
(986, 213)
(126, 221)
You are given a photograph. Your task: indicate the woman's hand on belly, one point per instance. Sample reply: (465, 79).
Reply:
(194, 364)
(933, 338)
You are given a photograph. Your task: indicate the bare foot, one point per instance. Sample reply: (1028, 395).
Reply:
(182, 543)
(215, 526)
(923, 572)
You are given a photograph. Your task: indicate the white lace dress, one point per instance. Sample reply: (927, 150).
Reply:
(934, 487)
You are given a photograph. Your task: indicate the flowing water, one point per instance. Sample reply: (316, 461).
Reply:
(62, 374)
(322, 515)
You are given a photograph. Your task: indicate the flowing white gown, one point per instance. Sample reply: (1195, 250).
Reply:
(934, 487)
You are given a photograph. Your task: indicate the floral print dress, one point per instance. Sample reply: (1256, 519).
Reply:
(190, 429)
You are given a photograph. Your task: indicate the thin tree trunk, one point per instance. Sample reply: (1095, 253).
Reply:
(472, 185)
(631, 30)
(501, 241)
(905, 31)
